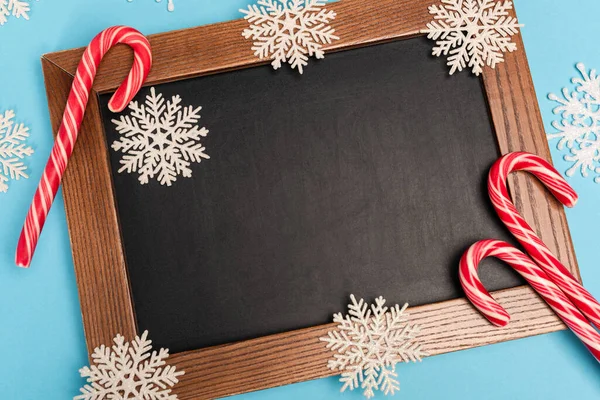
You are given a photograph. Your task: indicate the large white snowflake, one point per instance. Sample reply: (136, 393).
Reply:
(369, 343)
(160, 139)
(579, 126)
(129, 371)
(472, 32)
(289, 30)
(15, 8)
(12, 150)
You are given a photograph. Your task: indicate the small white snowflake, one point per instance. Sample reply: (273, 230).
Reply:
(12, 150)
(289, 30)
(579, 127)
(160, 139)
(170, 4)
(129, 371)
(369, 343)
(472, 32)
(15, 8)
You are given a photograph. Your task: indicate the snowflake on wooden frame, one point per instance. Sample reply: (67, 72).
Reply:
(472, 33)
(129, 371)
(369, 342)
(289, 30)
(12, 150)
(160, 139)
(579, 126)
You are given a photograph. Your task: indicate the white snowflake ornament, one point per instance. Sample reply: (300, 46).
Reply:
(128, 371)
(289, 30)
(472, 33)
(579, 126)
(369, 342)
(15, 8)
(12, 150)
(159, 140)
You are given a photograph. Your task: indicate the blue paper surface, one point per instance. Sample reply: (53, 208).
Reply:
(41, 335)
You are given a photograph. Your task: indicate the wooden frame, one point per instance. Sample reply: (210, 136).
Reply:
(295, 356)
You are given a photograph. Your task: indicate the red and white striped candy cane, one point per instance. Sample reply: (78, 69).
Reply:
(545, 172)
(538, 280)
(72, 118)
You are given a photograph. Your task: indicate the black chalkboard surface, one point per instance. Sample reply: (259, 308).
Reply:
(365, 175)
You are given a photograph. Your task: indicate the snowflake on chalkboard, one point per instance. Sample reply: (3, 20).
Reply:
(289, 30)
(472, 33)
(579, 126)
(129, 371)
(12, 149)
(160, 139)
(369, 342)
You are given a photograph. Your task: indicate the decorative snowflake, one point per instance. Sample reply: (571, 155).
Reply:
(170, 4)
(579, 127)
(472, 32)
(369, 343)
(12, 151)
(129, 371)
(289, 30)
(160, 139)
(16, 8)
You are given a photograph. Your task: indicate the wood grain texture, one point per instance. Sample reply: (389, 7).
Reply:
(519, 127)
(104, 294)
(298, 355)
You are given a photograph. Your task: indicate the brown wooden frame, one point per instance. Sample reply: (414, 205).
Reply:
(294, 356)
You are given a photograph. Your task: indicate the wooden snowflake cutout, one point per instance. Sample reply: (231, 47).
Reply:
(12, 149)
(129, 371)
(472, 33)
(369, 342)
(289, 30)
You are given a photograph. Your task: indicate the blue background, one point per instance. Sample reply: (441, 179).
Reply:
(41, 336)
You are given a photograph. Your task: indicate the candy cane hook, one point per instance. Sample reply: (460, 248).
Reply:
(538, 280)
(521, 230)
(72, 118)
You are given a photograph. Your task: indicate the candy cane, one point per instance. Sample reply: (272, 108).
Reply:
(72, 118)
(533, 245)
(538, 280)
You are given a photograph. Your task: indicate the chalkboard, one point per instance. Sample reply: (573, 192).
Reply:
(365, 175)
